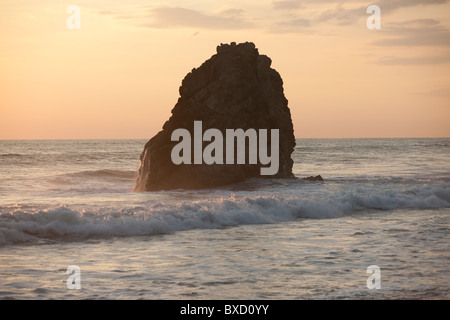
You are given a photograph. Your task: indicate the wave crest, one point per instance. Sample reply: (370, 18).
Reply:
(25, 225)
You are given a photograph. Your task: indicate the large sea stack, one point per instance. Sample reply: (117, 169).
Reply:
(235, 88)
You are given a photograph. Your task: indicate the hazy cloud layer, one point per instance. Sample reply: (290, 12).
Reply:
(286, 5)
(308, 16)
(414, 61)
(282, 16)
(427, 34)
(170, 17)
(386, 4)
(419, 32)
(390, 5)
(343, 12)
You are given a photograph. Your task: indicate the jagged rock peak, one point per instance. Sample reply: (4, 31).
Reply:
(246, 47)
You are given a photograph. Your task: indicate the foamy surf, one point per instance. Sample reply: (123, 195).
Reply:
(22, 225)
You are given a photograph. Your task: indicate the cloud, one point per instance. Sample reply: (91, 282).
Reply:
(391, 5)
(232, 12)
(106, 12)
(292, 26)
(441, 92)
(418, 22)
(430, 60)
(170, 17)
(178, 17)
(287, 16)
(341, 15)
(419, 32)
(286, 5)
(298, 22)
(344, 13)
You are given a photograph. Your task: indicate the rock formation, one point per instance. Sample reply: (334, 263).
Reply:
(235, 88)
(314, 178)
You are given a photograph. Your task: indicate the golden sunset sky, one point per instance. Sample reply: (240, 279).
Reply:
(118, 75)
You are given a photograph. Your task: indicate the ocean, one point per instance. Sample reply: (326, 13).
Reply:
(384, 203)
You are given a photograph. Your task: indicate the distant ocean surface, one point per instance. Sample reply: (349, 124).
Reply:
(384, 202)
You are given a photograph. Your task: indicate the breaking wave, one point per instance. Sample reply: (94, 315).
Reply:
(26, 225)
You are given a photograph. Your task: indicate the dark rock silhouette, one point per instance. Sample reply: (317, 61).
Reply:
(316, 178)
(235, 88)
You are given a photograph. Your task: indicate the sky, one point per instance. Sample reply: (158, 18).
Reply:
(118, 75)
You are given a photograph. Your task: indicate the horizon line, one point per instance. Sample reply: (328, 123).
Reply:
(62, 139)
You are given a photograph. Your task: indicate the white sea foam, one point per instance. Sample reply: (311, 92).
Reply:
(65, 223)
